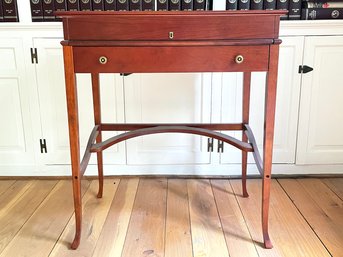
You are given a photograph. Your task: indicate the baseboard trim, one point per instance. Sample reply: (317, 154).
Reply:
(276, 176)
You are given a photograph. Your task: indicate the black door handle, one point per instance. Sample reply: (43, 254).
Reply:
(305, 69)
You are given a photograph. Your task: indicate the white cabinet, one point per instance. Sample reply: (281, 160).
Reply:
(53, 112)
(320, 137)
(288, 91)
(16, 140)
(168, 98)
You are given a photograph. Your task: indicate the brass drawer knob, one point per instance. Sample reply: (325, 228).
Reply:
(103, 59)
(239, 59)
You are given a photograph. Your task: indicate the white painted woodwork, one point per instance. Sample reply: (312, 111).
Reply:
(52, 99)
(219, 5)
(320, 138)
(288, 91)
(32, 102)
(168, 98)
(16, 145)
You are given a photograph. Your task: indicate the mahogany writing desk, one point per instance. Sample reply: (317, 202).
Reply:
(137, 42)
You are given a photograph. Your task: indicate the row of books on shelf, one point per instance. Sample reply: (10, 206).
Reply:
(297, 9)
(43, 10)
(321, 9)
(8, 11)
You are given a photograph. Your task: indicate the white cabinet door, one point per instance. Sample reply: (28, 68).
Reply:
(168, 98)
(320, 138)
(50, 80)
(287, 104)
(16, 141)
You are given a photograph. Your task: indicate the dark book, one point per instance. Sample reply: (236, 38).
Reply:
(269, 4)
(199, 5)
(209, 4)
(321, 13)
(1, 12)
(85, 5)
(256, 5)
(97, 5)
(122, 5)
(10, 11)
(48, 10)
(317, 4)
(174, 5)
(243, 5)
(135, 5)
(187, 5)
(282, 5)
(36, 10)
(110, 5)
(231, 4)
(162, 5)
(72, 5)
(60, 5)
(148, 5)
(294, 10)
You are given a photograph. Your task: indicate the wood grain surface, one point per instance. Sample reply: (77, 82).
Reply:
(172, 218)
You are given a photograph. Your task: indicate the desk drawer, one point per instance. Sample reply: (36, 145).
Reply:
(170, 59)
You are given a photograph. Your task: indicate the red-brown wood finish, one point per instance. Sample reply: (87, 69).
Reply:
(172, 129)
(97, 121)
(256, 153)
(269, 117)
(87, 155)
(245, 119)
(134, 126)
(74, 141)
(166, 59)
(149, 26)
(127, 42)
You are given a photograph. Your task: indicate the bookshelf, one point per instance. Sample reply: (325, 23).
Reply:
(324, 26)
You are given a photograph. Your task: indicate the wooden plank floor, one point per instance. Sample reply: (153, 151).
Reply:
(172, 218)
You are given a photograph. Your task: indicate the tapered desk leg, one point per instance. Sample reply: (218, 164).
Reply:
(270, 100)
(73, 121)
(245, 119)
(97, 121)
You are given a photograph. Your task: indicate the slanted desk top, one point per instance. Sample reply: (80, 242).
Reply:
(150, 26)
(199, 41)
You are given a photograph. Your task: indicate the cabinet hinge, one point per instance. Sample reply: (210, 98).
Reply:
(34, 55)
(43, 147)
(220, 146)
(209, 144)
(304, 69)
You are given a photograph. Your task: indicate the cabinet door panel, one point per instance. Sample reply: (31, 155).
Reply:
(320, 139)
(167, 98)
(16, 141)
(8, 57)
(287, 103)
(12, 134)
(50, 79)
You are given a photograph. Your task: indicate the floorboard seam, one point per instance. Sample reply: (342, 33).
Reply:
(303, 216)
(245, 221)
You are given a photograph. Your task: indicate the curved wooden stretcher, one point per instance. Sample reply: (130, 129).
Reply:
(137, 42)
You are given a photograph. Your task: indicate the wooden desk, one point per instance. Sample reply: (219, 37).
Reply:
(133, 42)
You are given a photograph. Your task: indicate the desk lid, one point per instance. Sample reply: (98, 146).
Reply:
(170, 26)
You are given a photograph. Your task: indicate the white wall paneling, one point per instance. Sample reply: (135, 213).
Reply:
(16, 142)
(320, 138)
